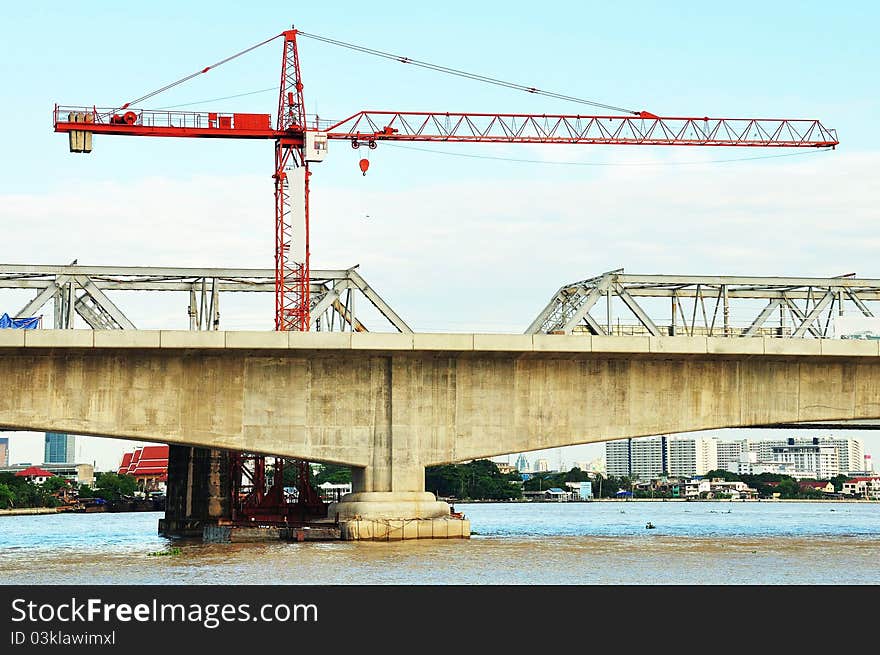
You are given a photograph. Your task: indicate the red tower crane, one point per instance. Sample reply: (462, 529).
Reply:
(297, 145)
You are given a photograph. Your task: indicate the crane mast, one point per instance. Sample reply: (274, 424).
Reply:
(291, 198)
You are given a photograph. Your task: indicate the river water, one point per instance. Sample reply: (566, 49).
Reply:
(512, 543)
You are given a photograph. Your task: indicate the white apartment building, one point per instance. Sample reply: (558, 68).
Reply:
(866, 487)
(850, 454)
(692, 455)
(643, 458)
(749, 464)
(728, 452)
(815, 456)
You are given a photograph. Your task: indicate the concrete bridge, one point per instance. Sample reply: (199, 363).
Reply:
(389, 405)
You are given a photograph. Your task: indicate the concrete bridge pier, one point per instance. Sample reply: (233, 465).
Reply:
(197, 491)
(389, 501)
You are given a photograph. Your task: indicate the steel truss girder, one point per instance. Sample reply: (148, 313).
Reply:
(810, 303)
(204, 286)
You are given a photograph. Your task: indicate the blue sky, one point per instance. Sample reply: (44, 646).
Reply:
(454, 243)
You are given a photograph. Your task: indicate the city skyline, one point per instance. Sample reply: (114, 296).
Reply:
(106, 453)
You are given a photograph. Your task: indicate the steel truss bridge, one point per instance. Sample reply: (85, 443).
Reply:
(613, 304)
(82, 290)
(616, 303)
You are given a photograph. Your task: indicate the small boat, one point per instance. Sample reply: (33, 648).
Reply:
(650, 526)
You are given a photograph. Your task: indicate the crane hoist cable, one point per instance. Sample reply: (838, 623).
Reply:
(467, 75)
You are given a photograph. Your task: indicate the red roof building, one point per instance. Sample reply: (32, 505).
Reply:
(149, 466)
(826, 487)
(35, 473)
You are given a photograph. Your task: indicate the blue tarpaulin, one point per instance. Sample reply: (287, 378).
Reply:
(19, 323)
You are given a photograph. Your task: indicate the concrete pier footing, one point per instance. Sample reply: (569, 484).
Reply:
(387, 505)
(394, 515)
(397, 529)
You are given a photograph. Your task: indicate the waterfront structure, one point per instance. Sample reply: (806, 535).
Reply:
(4, 451)
(866, 487)
(557, 494)
(148, 465)
(60, 448)
(78, 473)
(334, 491)
(815, 457)
(580, 490)
(693, 488)
(734, 489)
(824, 487)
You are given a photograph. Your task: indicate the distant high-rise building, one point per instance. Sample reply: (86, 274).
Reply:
(815, 455)
(869, 464)
(644, 458)
(4, 451)
(729, 451)
(651, 457)
(542, 465)
(692, 455)
(850, 454)
(582, 465)
(59, 448)
(522, 464)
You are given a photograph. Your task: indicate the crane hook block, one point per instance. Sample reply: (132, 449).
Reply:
(364, 164)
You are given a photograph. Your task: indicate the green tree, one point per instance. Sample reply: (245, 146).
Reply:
(113, 486)
(723, 474)
(576, 475)
(7, 496)
(55, 484)
(838, 481)
(477, 480)
(333, 473)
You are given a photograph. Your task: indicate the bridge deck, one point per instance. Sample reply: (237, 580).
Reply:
(453, 343)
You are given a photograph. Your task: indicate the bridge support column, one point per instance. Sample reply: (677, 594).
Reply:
(197, 491)
(388, 499)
